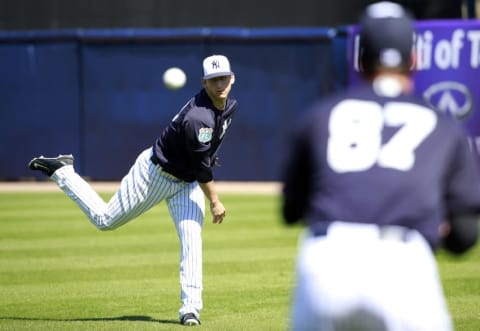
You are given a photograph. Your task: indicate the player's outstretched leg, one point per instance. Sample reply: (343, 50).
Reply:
(141, 189)
(49, 165)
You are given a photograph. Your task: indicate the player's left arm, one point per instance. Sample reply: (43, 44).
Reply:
(461, 233)
(198, 136)
(297, 182)
(463, 199)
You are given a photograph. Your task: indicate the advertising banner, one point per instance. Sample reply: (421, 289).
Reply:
(447, 73)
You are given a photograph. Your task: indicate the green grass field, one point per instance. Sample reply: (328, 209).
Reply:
(57, 272)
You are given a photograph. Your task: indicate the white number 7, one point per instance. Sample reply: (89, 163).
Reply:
(355, 134)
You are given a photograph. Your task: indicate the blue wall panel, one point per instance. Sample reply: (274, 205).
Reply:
(99, 94)
(39, 104)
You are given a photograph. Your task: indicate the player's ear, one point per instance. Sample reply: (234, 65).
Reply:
(412, 60)
(203, 82)
(232, 80)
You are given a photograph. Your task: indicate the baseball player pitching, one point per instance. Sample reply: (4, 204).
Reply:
(381, 181)
(177, 169)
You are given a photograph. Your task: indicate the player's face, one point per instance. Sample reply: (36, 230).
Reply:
(218, 88)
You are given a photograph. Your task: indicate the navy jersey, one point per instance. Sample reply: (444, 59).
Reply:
(188, 147)
(361, 157)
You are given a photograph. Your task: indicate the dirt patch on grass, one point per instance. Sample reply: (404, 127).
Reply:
(222, 187)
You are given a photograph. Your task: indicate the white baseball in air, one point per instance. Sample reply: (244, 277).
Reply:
(174, 78)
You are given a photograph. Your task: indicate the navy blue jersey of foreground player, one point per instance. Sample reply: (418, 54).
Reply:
(197, 132)
(361, 157)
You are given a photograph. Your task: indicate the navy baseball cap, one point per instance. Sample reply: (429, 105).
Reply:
(386, 35)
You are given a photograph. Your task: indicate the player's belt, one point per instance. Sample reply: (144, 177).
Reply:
(165, 174)
(155, 160)
(383, 232)
(319, 229)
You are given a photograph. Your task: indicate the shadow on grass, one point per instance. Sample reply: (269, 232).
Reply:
(93, 319)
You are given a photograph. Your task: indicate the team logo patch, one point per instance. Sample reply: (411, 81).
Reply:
(205, 135)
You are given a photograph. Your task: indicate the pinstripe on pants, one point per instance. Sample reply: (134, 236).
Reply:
(143, 187)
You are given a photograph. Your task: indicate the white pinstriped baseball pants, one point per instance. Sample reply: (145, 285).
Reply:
(353, 279)
(143, 187)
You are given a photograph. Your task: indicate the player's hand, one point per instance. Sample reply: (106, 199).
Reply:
(218, 211)
(444, 229)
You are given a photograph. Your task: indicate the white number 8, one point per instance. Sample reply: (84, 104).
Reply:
(355, 135)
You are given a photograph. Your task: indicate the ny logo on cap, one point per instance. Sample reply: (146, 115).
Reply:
(215, 64)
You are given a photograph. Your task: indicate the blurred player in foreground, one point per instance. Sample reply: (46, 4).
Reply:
(177, 169)
(381, 181)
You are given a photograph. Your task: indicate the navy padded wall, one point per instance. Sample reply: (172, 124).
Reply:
(39, 104)
(99, 94)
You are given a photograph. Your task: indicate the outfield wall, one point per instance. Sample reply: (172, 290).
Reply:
(99, 94)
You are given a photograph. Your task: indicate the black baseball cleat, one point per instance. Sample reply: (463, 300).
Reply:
(49, 165)
(190, 319)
